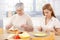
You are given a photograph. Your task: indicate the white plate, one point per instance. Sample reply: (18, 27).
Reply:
(40, 34)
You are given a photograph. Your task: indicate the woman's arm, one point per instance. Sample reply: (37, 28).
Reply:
(28, 26)
(9, 25)
(57, 31)
(57, 27)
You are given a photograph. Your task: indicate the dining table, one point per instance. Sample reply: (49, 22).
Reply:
(51, 36)
(1, 33)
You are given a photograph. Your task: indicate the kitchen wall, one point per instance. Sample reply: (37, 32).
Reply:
(4, 8)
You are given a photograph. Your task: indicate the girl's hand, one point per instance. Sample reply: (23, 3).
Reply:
(48, 30)
(39, 29)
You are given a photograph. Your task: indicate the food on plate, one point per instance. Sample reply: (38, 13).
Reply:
(16, 37)
(24, 35)
(19, 36)
(13, 31)
(20, 32)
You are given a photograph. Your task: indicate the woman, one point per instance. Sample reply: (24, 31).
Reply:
(49, 22)
(20, 20)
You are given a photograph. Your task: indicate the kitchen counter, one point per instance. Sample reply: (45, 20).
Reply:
(57, 37)
(1, 34)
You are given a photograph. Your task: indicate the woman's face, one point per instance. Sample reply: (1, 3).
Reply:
(19, 11)
(47, 13)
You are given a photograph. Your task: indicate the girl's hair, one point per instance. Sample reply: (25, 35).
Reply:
(48, 6)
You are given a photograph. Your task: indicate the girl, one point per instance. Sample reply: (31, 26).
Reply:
(49, 22)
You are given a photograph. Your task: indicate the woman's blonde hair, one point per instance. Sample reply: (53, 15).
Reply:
(49, 7)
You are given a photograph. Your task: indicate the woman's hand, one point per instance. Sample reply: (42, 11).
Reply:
(27, 28)
(24, 26)
(8, 27)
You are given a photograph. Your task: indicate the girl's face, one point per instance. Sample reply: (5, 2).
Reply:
(47, 13)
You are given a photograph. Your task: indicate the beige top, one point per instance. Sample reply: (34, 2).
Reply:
(17, 20)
